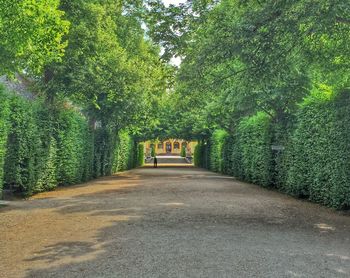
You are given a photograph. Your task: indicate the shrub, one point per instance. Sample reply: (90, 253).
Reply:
(47, 168)
(228, 155)
(43, 146)
(22, 146)
(254, 149)
(72, 129)
(201, 154)
(183, 151)
(216, 147)
(319, 155)
(4, 127)
(140, 155)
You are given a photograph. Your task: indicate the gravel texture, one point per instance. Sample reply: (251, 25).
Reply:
(171, 222)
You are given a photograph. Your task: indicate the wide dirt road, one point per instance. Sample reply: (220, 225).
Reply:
(171, 222)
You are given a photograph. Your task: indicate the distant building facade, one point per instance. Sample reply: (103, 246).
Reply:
(169, 147)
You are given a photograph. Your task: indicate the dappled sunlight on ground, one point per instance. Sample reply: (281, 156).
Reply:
(171, 222)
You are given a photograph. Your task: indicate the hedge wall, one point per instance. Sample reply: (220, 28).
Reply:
(255, 146)
(4, 114)
(319, 156)
(42, 147)
(315, 162)
(215, 155)
(201, 154)
(23, 146)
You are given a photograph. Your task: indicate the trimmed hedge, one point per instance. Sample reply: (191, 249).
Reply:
(315, 162)
(124, 153)
(201, 154)
(140, 156)
(216, 156)
(319, 155)
(43, 146)
(254, 145)
(23, 146)
(4, 128)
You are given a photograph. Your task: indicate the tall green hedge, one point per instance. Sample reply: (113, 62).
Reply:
(4, 127)
(252, 154)
(216, 156)
(201, 154)
(22, 146)
(183, 151)
(72, 138)
(140, 156)
(314, 162)
(43, 146)
(320, 151)
(123, 152)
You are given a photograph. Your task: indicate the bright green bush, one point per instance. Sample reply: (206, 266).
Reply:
(217, 141)
(4, 127)
(320, 156)
(183, 151)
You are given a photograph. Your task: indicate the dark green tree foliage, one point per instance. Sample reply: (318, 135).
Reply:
(319, 169)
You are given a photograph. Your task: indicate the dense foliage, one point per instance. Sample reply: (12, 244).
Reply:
(48, 147)
(31, 33)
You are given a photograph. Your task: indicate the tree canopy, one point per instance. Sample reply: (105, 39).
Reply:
(110, 57)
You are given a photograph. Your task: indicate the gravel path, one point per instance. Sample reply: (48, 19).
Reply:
(171, 222)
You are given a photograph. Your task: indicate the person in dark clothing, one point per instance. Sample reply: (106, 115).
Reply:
(155, 161)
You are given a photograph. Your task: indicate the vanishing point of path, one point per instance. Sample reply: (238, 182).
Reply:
(171, 222)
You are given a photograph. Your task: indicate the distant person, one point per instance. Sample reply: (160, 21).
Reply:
(155, 161)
